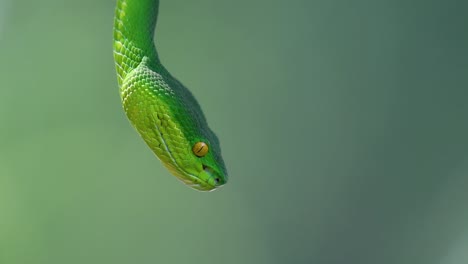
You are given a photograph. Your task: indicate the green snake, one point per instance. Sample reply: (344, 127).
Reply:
(162, 110)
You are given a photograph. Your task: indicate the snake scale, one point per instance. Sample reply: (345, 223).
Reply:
(162, 110)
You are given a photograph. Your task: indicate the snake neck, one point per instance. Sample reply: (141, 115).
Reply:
(134, 26)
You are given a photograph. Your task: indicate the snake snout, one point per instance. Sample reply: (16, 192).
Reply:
(214, 178)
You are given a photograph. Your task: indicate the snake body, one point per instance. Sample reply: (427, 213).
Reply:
(162, 110)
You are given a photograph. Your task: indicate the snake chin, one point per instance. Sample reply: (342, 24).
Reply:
(207, 180)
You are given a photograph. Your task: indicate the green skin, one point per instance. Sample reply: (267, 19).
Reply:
(162, 110)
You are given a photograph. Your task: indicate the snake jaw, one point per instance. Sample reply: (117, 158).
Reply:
(206, 180)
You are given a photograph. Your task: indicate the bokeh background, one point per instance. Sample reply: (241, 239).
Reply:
(344, 127)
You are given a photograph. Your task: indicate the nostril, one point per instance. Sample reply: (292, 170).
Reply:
(213, 175)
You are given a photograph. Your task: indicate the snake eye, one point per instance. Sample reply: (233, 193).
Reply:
(200, 149)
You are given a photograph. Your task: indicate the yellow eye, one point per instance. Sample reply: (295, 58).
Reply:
(200, 149)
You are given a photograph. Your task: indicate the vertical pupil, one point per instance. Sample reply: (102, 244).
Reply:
(200, 149)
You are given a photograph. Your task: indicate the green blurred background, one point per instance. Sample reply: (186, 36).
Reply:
(343, 127)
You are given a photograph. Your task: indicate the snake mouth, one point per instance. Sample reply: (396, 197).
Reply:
(217, 180)
(207, 179)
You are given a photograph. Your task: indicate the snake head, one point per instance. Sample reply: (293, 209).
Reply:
(202, 169)
(172, 124)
